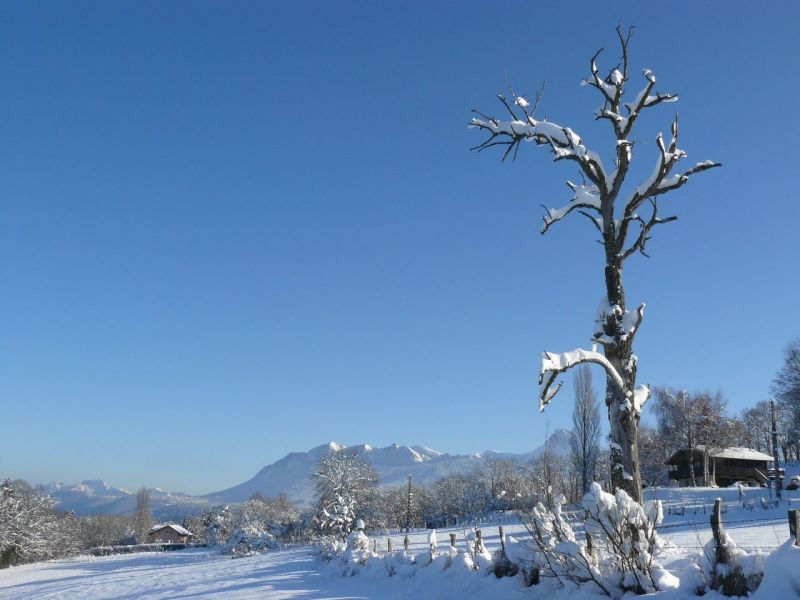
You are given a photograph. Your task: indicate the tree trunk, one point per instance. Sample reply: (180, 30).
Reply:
(624, 423)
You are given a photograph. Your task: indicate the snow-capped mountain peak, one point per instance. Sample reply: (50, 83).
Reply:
(394, 463)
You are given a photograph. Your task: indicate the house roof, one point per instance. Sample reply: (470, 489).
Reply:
(740, 453)
(177, 528)
(732, 453)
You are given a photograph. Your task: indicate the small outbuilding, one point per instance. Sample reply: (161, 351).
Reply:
(168, 533)
(726, 466)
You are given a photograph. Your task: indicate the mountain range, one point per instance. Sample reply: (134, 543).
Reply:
(95, 496)
(290, 476)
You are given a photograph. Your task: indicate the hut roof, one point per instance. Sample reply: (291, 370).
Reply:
(177, 528)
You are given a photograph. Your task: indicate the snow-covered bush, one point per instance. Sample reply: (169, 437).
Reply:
(400, 563)
(329, 549)
(347, 558)
(248, 541)
(357, 556)
(338, 517)
(220, 527)
(739, 574)
(344, 483)
(260, 524)
(31, 529)
(616, 554)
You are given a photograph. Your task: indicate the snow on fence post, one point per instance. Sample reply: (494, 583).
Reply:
(721, 554)
(794, 525)
(478, 542)
(730, 579)
(432, 542)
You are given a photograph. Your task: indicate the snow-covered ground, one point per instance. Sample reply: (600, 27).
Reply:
(294, 573)
(201, 573)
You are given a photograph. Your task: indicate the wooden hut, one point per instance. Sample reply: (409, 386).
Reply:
(726, 466)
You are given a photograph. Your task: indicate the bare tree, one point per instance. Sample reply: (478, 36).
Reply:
(622, 223)
(786, 387)
(695, 422)
(551, 472)
(715, 431)
(104, 530)
(755, 420)
(142, 521)
(653, 456)
(585, 441)
(677, 423)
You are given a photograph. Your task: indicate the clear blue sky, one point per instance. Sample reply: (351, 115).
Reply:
(233, 230)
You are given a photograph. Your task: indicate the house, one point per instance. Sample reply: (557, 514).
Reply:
(726, 466)
(168, 533)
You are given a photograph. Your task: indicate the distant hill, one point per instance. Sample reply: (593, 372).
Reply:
(290, 476)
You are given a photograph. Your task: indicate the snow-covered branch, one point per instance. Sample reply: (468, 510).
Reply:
(659, 182)
(612, 86)
(644, 99)
(585, 197)
(563, 142)
(553, 365)
(677, 180)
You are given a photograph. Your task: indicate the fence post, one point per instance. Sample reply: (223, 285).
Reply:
(720, 546)
(502, 540)
(587, 514)
(405, 543)
(389, 544)
(478, 542)
(452, 540)
(794, 525)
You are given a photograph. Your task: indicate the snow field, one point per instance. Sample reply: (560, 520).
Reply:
(286, 574)
(296, 573)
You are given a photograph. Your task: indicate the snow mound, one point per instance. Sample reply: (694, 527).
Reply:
(781, 574)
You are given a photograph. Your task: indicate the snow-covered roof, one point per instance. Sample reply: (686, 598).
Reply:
(740, 453)
(177, 528)
(732, 453)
